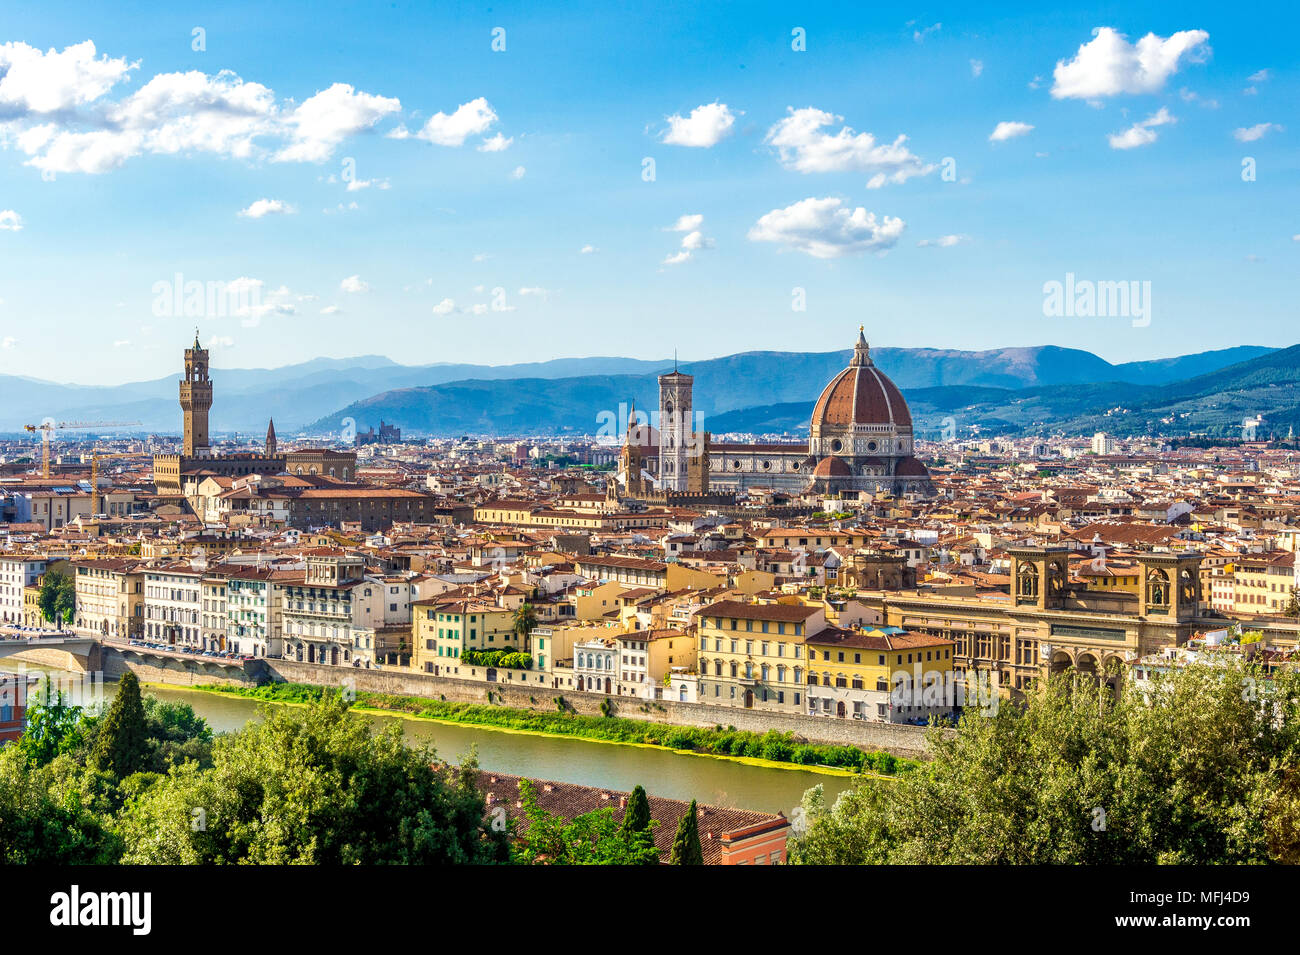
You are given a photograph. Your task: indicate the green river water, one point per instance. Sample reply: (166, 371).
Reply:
(717, 782)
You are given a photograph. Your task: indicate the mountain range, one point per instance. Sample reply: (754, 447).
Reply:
(1000, 390)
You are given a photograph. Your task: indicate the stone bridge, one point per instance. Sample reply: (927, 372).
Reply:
(115, 657)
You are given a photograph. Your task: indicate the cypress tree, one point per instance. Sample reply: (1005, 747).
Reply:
(686, 844)
(637, 816)
(123, 745)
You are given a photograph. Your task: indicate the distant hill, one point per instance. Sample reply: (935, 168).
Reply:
(737, 393)
(565, 395)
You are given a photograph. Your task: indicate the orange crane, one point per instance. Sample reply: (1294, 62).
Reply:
(48, 426)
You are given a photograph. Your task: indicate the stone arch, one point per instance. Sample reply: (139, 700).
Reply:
(1060, 662)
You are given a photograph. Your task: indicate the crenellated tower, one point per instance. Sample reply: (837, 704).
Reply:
(196, 399)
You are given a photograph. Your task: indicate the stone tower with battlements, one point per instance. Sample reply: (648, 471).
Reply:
(196, 399)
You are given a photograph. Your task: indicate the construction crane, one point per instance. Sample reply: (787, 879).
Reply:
(46, 427)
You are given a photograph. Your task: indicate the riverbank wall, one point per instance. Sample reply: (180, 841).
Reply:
(899, 739)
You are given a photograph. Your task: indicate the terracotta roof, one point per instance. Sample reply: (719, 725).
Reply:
(861, 394)
(568, 800)
(789, 613)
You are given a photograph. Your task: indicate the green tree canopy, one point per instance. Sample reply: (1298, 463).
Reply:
(592, 838)
(122, 746)
(636, 818)
(53, 725)
(1199, 766)
(686, 842)
(312, 786)
(57, 597)
(48, 817)
(524, 620)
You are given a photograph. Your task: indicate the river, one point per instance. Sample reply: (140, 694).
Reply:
(717, 782)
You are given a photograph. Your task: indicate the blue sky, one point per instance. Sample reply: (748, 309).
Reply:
(1132, 171)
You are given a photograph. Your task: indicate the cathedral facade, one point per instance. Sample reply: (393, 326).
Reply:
(860, 441)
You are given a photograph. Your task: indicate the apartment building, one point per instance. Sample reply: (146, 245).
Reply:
(753, 656)
(16, 573)
(253, 611)
(882, 674)
(110, 597)
(321, 608)
(173, 604)
(444, 628)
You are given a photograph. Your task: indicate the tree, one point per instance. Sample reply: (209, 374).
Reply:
(686, 843)
(592, 838)
(636, 818)
(123, 743)
(53, 726)
(46, 817)
(313, 786)
(175, 734)
(1293, 604)
(57, 597)
(524, 621)
(1198, 766)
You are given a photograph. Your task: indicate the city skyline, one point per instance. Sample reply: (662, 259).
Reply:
(411, 210)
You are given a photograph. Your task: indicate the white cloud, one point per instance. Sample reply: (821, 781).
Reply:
(803, 147)
(943, 242)
(445, 307)
(692, 241)
(470, 119)
(331, 116)
(518, 172)
(267, 207)
(1259, 76)
(10, 221)
(71, 127)
(353, 284)
(1108, 65)
(1141, 134)
(976, 67)
(707, 125)
(1248, 134)
(331, 310)
(495, 144)
(535, 290)
(52, 82)
(920, 35)
(1008, 130)
(8, 342)
(588, 250)
(1188, 96)
(478, 309)
(826, 229)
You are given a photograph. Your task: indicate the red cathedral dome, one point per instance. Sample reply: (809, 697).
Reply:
(832, 467)
(860, 394)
